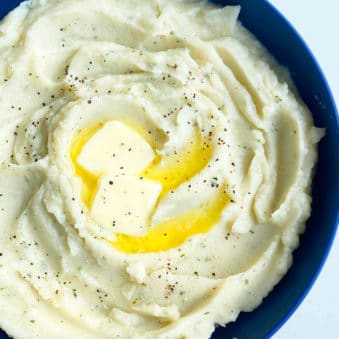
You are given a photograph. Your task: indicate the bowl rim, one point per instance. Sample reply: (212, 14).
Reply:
(333, 113)
(333, 108)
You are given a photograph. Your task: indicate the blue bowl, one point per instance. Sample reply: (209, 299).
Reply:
(289, 49)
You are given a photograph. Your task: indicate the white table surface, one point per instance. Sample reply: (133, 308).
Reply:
(318, 24)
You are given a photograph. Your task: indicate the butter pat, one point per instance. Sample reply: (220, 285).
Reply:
(115, 148)
(124, 203)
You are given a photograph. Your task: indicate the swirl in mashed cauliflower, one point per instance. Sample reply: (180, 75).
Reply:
(155, 169)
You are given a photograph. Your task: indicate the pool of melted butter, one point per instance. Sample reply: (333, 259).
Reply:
(170, 171)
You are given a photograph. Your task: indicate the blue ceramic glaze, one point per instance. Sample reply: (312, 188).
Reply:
(289, 49)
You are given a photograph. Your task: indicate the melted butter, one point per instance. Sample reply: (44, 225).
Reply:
(171, 171)
(89, 181)
(175, 231)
